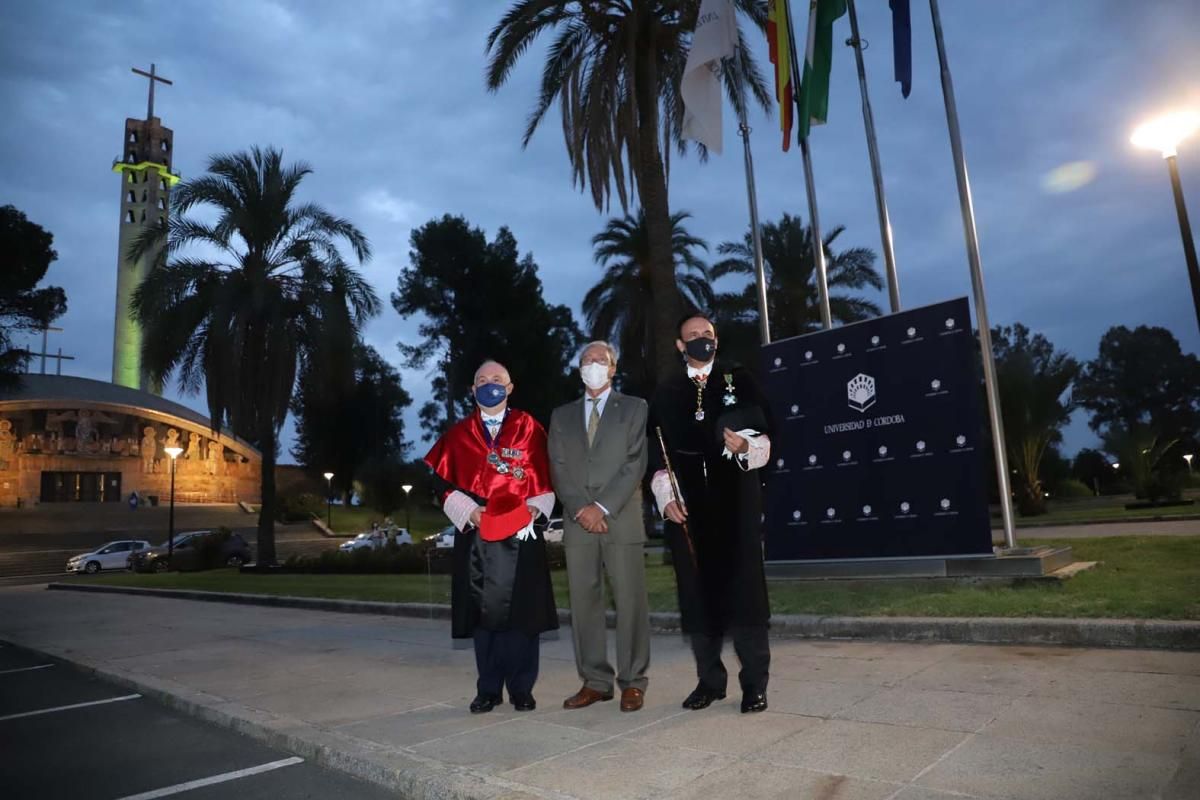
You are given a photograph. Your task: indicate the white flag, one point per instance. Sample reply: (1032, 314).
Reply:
(715, 38)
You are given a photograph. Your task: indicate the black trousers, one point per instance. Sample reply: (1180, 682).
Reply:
(753, 650)
(505, 659)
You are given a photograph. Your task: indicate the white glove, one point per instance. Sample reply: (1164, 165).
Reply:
(526, 533)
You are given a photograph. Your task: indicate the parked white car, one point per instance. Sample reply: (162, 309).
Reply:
(114, 555)
(444, 539)
(375, 539)
(554, 532)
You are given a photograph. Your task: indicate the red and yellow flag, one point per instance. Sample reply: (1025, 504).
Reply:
(779, 39)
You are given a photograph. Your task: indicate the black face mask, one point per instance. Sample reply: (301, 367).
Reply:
(702, 349)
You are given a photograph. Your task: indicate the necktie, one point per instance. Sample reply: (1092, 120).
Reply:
(593, 419)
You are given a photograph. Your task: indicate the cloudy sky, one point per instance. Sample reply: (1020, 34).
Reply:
(385, 99)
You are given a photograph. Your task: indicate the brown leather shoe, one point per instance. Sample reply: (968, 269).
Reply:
(585, 697)
(632, 699)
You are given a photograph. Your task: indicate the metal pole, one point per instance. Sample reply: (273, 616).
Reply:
(1185, 230)
(764, 326)
(329, 503)
(407, 515)
(974, 261)
(814, 222)
(885, 222)
(45, 334)
(171, 520)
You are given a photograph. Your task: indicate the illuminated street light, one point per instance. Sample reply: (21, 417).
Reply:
(1188, 458)
(1164, 135)
(173, 452)
(407, 511)
(329, 500)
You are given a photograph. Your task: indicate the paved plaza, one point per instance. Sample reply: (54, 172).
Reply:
(385, 698)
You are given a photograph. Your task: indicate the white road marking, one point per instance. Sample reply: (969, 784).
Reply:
(24, 669)
(222, 778)
(68, 708)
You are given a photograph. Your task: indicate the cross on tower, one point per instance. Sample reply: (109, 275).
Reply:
(153, 77)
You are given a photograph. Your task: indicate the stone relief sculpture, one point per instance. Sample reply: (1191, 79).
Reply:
(216, 458)
(7, 441)
(149, 448)
(194, 447)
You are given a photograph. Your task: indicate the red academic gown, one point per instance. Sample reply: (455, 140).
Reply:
(501, 585)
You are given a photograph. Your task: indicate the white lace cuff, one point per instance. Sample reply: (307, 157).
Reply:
(543, 503)
(758, 454)
(660, 487)
(458, 507)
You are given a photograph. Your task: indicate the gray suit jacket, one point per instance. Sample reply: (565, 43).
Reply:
(609, 472)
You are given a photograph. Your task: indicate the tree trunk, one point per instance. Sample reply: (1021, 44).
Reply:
(666, 303)
(266, 511)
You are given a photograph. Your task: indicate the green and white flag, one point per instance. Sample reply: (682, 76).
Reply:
(818, 55)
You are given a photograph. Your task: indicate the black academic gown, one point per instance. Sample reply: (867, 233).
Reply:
(719, 577)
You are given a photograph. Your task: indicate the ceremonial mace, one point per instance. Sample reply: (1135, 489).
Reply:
(676, 494)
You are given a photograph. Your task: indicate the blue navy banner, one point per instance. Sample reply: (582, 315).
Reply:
(878, 442)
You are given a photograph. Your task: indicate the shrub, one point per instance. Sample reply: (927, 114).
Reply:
(298, 507)
(1071, 489)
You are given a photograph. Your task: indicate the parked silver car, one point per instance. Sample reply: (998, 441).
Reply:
(114, 555)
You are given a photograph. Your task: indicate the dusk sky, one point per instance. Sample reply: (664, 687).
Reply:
(386, 101)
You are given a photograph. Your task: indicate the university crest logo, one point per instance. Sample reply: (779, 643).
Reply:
(860, 391)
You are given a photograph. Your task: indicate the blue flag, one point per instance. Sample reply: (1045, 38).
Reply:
(902, 44)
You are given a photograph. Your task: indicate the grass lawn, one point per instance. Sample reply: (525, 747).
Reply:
(1146, 577)
(1105, 514)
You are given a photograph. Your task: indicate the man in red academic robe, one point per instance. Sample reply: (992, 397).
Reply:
(494, 478)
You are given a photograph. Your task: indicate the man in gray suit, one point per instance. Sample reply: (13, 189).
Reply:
(597, 460)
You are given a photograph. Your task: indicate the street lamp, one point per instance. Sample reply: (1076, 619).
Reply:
(408, 512)
(1116, 465)
(329, 500)
(1164, 134)
(1188, 458)
(173, 452)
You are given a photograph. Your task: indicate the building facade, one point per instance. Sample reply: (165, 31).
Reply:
(65, 439)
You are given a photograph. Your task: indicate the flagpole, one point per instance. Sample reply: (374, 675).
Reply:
(885, 222)
(976, 266)
(814, 222)
(764, 327)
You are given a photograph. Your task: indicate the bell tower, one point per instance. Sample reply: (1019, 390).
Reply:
(146, 182)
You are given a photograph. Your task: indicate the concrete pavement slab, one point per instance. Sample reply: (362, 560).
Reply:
(384, 698)
(747, 781)
(862, 749)
(1095, 724)
(925, 708)
(998, 767)
(620, 769)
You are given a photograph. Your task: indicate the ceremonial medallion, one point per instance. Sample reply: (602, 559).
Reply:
(699, 416)
(730, 399)
(519, 473)
(493, 458)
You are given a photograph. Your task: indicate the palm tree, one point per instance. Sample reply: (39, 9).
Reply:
(1035, 402)
(791, 282)
(619, 308)
(614, 68)
(269, 293)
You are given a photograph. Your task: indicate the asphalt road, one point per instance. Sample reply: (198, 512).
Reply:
(64, 734)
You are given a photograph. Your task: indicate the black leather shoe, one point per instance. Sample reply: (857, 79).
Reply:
(702, 697)
(753, 703)
(524, 702)
(484, 703)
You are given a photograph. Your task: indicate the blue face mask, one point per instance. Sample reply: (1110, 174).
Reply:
(490, 395)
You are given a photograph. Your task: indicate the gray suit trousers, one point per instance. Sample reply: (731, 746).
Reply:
(589, 557)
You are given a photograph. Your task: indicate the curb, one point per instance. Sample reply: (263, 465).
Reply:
(410, 776)
(1145, 634)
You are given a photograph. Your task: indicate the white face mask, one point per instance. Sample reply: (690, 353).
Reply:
(594, 375)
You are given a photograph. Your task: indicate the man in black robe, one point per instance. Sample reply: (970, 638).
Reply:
(714, 423)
